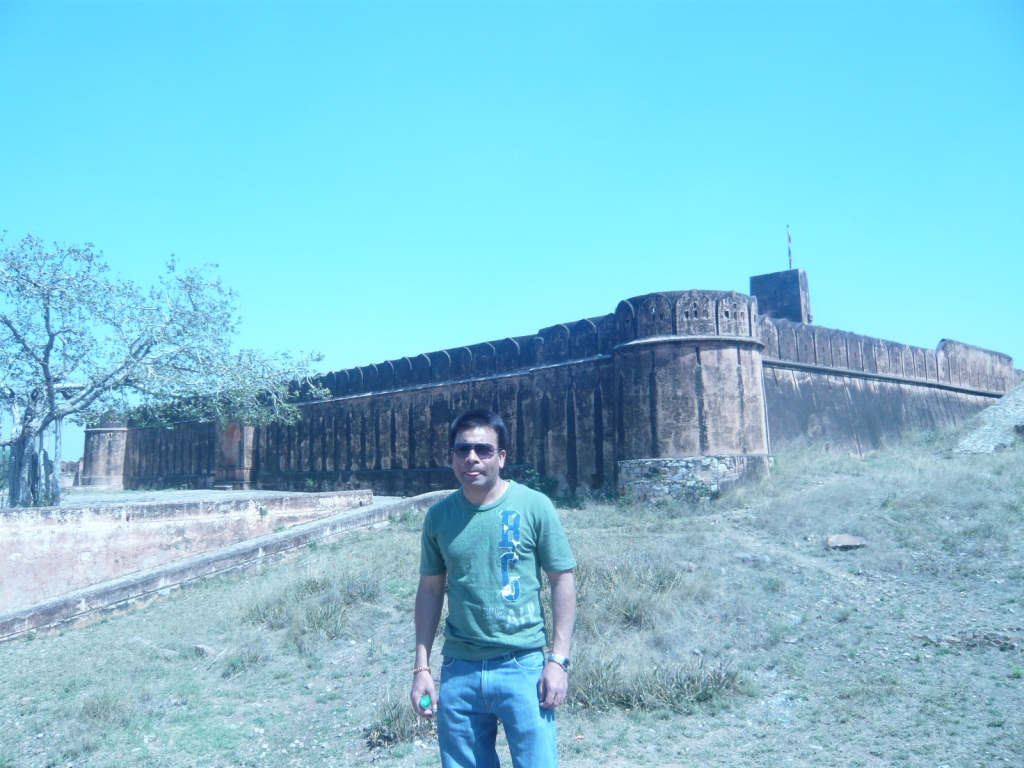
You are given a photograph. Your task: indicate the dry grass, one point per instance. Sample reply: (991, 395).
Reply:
(723, 632)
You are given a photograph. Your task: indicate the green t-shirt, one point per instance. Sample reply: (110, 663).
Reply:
(494, 555)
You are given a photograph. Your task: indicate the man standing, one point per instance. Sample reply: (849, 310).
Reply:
(489, 542)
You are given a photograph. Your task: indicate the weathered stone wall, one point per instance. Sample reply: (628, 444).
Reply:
(857, 391)
(103, 462)
(48, 551)
(661, 480)
(185, 456)
(667, 375)
(672, 374)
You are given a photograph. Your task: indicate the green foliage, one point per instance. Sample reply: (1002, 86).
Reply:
(538, 482)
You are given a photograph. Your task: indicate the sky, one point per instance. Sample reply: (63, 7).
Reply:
(389, 178)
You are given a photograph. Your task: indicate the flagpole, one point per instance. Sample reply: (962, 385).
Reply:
(789, 239)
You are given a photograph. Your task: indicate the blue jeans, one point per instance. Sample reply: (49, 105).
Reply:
(474, 695)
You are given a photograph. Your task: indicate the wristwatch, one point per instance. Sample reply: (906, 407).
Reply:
(562, 661)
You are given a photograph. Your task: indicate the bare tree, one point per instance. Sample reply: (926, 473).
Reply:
(76, 343)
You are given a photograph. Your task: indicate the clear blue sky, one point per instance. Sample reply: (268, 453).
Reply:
(383, 179)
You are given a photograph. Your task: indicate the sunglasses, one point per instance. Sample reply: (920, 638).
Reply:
(483, 451)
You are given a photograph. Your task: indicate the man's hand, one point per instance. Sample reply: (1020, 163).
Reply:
(429, 600)
(553, 685)
(423, 685)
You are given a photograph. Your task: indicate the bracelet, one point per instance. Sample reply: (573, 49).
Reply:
(420, 669)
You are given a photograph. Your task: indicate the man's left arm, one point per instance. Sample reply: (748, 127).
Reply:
(554, 680)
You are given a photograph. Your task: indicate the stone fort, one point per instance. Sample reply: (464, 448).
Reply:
(674, 394)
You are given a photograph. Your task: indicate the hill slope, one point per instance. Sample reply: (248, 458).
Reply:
(725, 632)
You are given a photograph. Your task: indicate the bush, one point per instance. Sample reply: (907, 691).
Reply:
(314, 607)
(604, 683)
(394, 722)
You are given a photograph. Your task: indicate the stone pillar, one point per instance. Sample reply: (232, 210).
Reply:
(103, 464)
(234, 466)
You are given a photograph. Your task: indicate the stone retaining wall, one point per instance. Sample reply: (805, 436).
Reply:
(136, 590)
(47, 551)
(686, 479)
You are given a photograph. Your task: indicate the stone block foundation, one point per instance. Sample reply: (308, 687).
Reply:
(688, 478)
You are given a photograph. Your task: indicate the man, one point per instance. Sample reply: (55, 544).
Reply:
(489, 542)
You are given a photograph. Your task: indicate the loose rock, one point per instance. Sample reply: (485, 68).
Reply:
(844, 542)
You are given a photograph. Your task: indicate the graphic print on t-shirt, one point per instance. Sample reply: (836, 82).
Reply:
(507, 546)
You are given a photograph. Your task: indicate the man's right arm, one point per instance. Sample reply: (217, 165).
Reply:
(429, 601)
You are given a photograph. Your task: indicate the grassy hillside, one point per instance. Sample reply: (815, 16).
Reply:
(725, 632)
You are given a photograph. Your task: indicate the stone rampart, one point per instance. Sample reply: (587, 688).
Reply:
(668, 374)
(857, 391)
(673, 375)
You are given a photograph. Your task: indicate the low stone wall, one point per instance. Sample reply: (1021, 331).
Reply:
(48, 551)
(136, 590)
(686, 479)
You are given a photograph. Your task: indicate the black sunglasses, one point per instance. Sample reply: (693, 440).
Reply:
(483, 451)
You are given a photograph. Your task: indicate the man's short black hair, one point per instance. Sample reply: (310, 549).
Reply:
(479, 418)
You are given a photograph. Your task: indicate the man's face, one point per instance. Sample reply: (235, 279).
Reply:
(472, 470)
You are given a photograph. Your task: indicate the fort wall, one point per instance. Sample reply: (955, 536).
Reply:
(857, 391)
(667, 376)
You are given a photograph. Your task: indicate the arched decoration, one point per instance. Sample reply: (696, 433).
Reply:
(931, 365)
(942, 365)
(582, 340)
(341, 383)
(462, 362)
(440, 366)
(695, 314)
(823, 347)
(895, 350)
(403, 371)
(556, 344)
(625, 322)
(733, 315)
(840, 357)
(909, 363)
(605, 333)
(506, 356)
(653, 316)
(879, 356)
(369, 377)
(355, 379)
(755, 317)
(421, 369)
(483, 359)
(331, 382)
(920, 366)
(385, 375)
(805, 343)
(769, 336)
(536, 353)
(527, 351)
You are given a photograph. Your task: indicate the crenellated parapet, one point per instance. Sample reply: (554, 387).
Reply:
(675, 313)
(686, 313)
